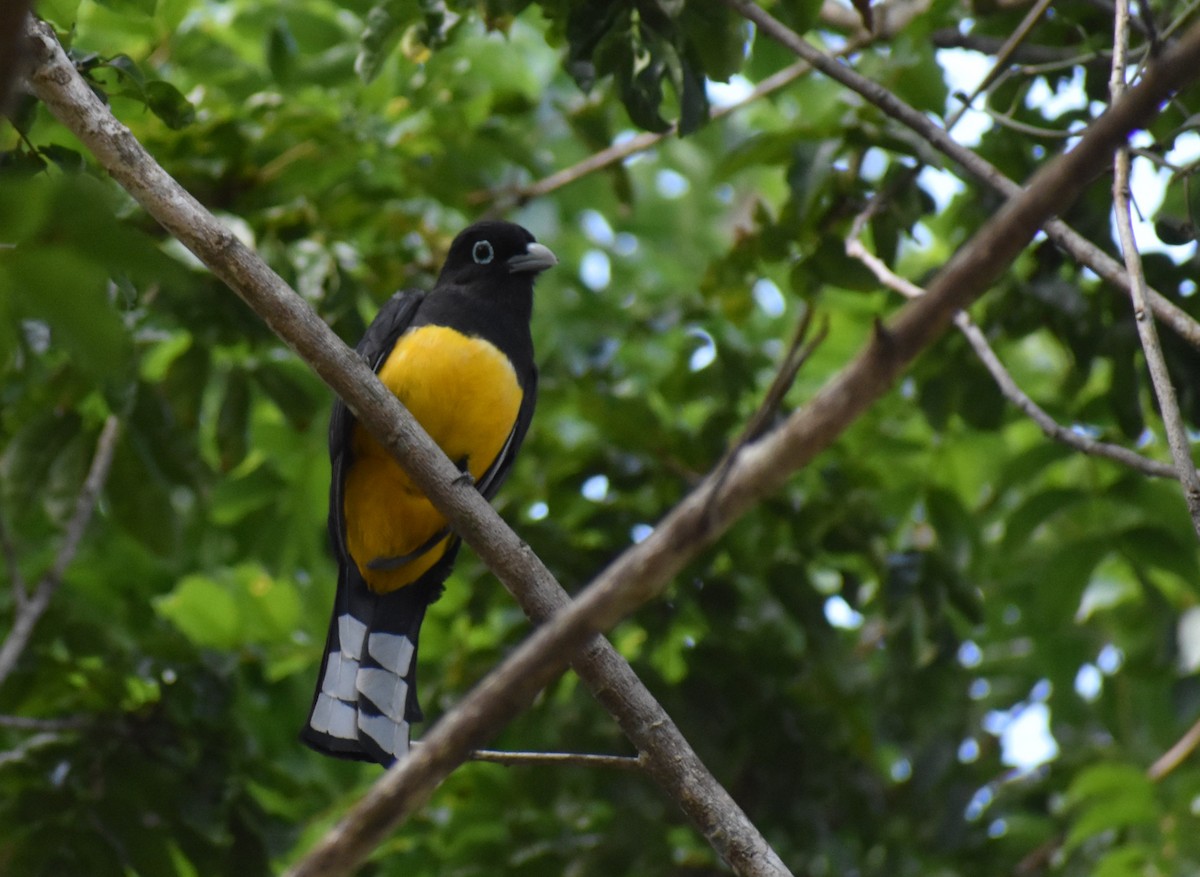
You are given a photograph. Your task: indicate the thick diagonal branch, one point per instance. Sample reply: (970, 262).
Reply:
(642, 571)
(667, 756)
(762, 467)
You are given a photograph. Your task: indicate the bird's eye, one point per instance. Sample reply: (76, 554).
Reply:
(482, 253)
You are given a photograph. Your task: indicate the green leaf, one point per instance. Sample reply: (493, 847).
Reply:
(139, 7)
(289, 385)
(166, 102)
(1037, 510)
(385, 22)
(65, 159)
(68, 291)
(139, 496)
(1108, 797)
(282, 51)
(60, 13)
(204, 610)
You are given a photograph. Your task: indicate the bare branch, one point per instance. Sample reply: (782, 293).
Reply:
(1177, 437)
(762, 467)
(557, 759)
(639, 143)
(24, 723)
(1075, 244)
(669, 759)
(30, 610)
(890, 18)
(643, 570)
(1005, 381)
(953, 38)
(19, 753)
(1175, 756)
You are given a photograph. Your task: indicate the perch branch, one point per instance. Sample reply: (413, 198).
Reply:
(557, 759)
(643, 570)
(669, 759)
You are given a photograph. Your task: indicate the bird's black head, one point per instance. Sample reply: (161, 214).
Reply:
(495, 252)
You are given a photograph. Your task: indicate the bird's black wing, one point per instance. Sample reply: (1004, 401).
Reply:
(393, 319)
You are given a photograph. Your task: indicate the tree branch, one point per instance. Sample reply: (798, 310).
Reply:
(1075, 244)
(28, 611)
(890, 18)
(1177, 437)
(643, 570)
(669, 759)
(556, 759)
(640, 143)
(1005, 381)
(24, 723)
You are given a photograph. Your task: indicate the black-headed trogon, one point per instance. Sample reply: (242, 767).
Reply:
(460, 358)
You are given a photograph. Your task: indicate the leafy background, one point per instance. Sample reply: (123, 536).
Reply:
(850, 660)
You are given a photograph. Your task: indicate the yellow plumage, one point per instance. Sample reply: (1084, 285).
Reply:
(465, 393)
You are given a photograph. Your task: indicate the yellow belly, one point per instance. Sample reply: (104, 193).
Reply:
(464, 392)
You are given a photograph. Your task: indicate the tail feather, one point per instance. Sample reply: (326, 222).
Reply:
(366, 699)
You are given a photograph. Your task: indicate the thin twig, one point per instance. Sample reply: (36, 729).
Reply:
(511, 758)
(1005, 120)
(25, 723)
(1177, 437)
(799, 351)
(1005, 381)
(30, 611)
(617, 152)
(1003, 56)
(558, 759)
(1175, 756)
(19, 753)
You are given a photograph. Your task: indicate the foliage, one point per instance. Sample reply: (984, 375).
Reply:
(851, 661)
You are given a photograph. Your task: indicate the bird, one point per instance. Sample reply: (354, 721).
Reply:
(460, 358)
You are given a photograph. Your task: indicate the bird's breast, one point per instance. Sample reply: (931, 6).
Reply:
(462, 390)
(465, 393)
